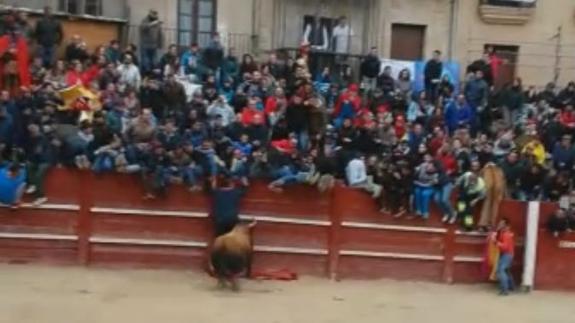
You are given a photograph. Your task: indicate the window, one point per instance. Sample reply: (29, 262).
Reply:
(93, 7)
(80, 7)
(196, 21)
(69, 6)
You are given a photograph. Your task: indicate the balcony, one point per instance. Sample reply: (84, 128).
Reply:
(507, 12)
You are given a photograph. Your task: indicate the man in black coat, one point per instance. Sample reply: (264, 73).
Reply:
(432, 73)
(48, 34)
(370, 68)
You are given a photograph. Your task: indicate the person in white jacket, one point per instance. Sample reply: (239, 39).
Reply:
(356, 174)
(130, 73)
(220, 108)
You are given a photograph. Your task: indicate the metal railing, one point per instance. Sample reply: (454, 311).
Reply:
(242, 43)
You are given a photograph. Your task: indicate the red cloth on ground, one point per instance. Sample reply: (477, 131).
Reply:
(281, 274)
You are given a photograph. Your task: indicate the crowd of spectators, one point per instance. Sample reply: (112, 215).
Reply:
(193, 114)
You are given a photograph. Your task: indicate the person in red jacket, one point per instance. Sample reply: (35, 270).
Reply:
(447, 159)
(568, 117)
(75, 76)
(275, 105)
(251, 115)
(348, 105)
(505, 240)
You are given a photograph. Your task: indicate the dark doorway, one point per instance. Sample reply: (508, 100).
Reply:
(508, 55)
(407, 42)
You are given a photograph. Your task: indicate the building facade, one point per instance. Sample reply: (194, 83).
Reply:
(535, 37)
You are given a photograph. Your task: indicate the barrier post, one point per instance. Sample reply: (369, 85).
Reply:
(84, 228)
(334, 232)
(530, 254)
(449, 255)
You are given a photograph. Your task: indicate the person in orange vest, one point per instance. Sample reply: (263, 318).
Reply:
(505, 240)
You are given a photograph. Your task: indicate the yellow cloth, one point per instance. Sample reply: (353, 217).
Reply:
(71, 94)
(492, 258)
(537, 149)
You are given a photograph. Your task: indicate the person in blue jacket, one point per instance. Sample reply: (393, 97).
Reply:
(226, 199)
(12, 184)
(458, 114)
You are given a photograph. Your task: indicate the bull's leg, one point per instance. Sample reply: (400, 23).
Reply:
(249, 266)
(221, 283)
(235, 284)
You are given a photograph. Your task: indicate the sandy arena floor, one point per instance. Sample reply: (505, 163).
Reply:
(77, 295)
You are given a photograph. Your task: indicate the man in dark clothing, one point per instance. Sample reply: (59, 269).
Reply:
(432, 76)
(277, 69)
(214, 56)
(386, 83)
(370, 70)
(48, 34)
(76, 50)
(513, 168)
(226, 200)
(560, 222)
(484, 66)
(38, 151)
(151, 39)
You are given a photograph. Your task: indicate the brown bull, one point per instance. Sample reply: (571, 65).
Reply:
(231, 255)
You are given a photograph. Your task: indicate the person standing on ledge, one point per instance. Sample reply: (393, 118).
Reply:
(226, 199)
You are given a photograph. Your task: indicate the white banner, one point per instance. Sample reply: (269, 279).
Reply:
(397, 66)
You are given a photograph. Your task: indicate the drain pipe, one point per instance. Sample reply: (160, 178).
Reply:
(255, 26)
(452, 28)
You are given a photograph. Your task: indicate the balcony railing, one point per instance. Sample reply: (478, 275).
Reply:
(510, 3)
(242, 43)
(506, 12)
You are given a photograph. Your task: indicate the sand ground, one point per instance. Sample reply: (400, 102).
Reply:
(78, 295)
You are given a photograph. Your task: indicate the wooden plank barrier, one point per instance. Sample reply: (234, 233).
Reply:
(103, 221)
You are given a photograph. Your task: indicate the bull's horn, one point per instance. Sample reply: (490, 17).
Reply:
(253, 224)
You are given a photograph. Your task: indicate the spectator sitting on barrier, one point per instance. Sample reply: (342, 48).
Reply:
(560, 222)
(425, 179)
(356, 175)
(12, 185)
(470, 190)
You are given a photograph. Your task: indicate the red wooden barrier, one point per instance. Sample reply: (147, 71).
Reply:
(102, 220)
(555, 256)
